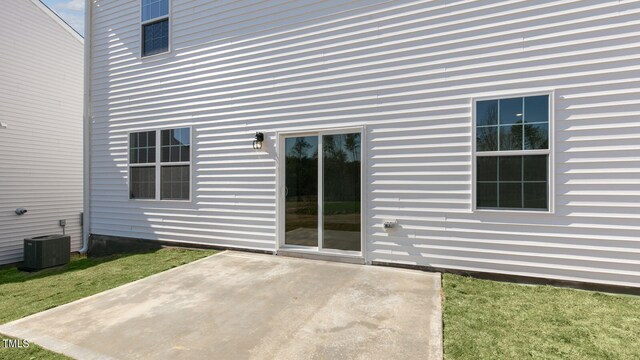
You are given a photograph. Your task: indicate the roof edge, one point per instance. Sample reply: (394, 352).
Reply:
(52, 14)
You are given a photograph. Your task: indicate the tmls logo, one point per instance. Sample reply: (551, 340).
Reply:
(15, 343)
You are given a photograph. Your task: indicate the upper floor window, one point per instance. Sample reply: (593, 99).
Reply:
(155, 27)
(512, 153)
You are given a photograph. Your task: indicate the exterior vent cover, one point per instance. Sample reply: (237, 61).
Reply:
(46, 251)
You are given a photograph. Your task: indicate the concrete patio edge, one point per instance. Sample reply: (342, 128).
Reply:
(10, 329)
(53, 344)
(368, 311)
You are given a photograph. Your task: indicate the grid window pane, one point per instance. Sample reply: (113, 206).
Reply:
(166, 153)
(174, 154)
(142, 139)
(487, 167)
(535, 168)
(151, 155)
(487, 113)
(175, 182)
(142, 155)
(133, 140)
(142, 182)
(487, 138)
(174, 138)
(510, 168)
(522, 182)
(164, 137)
(510, 195)
(184, 153)
(511, 137)
(536, 136)
(535, 195)
(152, 9)
(487, 195)
(185, 136)
(155, 37)
(176, 145)
(133, 156)
(511, 111)
(536, 109)
(508, 132)
(142, 147)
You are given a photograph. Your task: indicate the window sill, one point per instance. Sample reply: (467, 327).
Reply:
(145, 57)
(513, 211)
(161, 201)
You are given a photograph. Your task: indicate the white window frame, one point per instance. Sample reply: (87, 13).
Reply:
(549, 152)
(134, 165)
(146, 22)
(158, 164)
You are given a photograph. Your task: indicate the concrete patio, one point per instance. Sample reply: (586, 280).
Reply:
(236, 305)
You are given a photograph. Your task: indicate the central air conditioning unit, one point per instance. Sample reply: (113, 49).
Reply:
(46, 251)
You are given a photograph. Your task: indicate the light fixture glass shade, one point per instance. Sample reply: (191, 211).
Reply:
(257, 143)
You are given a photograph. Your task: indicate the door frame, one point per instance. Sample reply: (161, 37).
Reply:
(280, 184)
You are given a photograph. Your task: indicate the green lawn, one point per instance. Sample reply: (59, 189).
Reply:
(493, 320)
(22, 293)
(482, 319)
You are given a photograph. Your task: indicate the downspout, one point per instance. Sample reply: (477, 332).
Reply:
(86, 142)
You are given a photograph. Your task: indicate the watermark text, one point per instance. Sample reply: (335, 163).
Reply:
(15, 343)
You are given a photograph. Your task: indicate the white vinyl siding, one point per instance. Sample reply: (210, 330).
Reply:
(41, 76)
(407, 72)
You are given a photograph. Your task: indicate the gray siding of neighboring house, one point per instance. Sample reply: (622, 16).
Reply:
(41, 76)
(408, 71)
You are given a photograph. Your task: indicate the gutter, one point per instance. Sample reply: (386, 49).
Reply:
(86, 142)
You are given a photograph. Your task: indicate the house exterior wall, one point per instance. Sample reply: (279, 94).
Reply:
(407, 72)
(41, 76)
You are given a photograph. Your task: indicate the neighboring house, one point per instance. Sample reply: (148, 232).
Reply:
(490, 136)
(41, 77)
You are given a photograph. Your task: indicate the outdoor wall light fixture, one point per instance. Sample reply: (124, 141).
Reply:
(257, 143)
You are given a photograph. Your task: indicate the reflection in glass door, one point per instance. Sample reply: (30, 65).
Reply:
(322, 191)
(301, 191)
(341, 191)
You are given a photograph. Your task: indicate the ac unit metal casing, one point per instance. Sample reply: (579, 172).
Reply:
(46, 251)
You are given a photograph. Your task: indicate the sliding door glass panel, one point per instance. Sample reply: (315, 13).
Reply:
(301, 191)
(341, 191)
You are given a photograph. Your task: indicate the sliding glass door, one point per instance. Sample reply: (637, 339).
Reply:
(301, 191)
(323, 191)
(341, 191)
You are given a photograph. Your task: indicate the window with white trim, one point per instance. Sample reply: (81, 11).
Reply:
(175, 165)
(155, 27)
(512, 153)
(142, 169)
(170, 162)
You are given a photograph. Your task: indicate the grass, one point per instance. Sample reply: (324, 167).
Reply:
(482, 319)
(493, 320)
(33, 352)
(23, 294)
